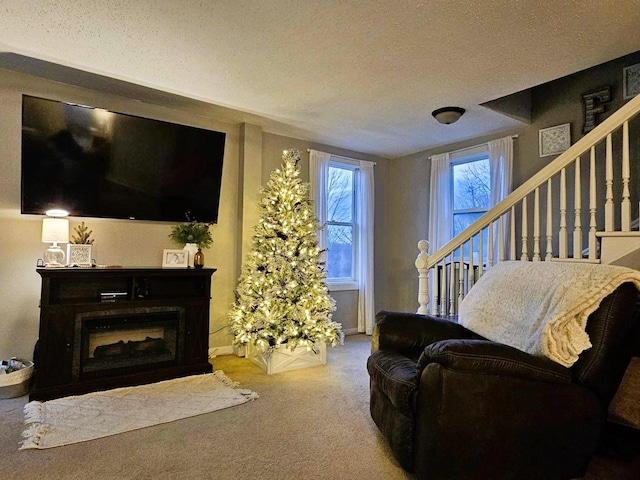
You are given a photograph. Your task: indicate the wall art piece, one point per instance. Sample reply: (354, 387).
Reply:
(594, 104)
(554, 140)
(175, 258)
(79, 255)
(631, 81)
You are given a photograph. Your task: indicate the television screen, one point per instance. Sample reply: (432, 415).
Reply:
(96, 163)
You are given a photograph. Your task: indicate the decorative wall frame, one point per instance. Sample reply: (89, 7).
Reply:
(79, 255)
(554, 140)
(595, 104)
(175, 258)
(631, 81)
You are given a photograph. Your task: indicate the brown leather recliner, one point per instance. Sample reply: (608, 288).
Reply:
(453, 405)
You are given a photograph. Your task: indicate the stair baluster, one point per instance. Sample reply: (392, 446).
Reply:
(460, 278)
(525, 234)
(471, 274)
(536, 225)
(625, 208)
(592, 205)
(436, 290)
(577, 223)
(490, 264)
(501, 239)
(512, 235)
(562, 235)
(608, 205)
(443, 289)
(481, 255)
(549, 245)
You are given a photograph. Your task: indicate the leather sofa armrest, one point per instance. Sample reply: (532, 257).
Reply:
(486, 357)
(409, 333)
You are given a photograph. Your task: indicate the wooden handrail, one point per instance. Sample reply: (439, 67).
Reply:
(615, 121)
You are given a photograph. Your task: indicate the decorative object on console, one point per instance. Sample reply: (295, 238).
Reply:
(282, 299)
(554, 140)
(191, 249)
(79, 255)
(82, 235)
(198, 259)
(631, 81)
(448, 115)
(175, 258)
(193, 235)
(55, 229)
(80, 247)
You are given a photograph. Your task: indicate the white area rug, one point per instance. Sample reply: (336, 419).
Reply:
(68, 420)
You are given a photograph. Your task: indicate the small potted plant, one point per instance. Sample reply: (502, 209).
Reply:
(79, 249)
(194, 236)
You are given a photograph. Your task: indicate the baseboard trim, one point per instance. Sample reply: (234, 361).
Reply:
(350, 331)
(224, 350)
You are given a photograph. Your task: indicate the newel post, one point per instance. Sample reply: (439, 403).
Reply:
(423, 288)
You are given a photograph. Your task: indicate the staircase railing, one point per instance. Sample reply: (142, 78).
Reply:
(574, 195)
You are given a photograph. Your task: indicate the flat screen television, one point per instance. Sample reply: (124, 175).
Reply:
(96, 163)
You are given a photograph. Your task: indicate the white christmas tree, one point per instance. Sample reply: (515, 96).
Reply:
(282, 298)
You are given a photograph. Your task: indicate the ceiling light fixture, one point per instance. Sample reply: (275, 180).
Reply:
(448, 115)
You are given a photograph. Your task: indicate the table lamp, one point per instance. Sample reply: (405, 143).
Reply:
(55, 230)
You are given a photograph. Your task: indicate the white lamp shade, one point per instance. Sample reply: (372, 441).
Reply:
(55, 230)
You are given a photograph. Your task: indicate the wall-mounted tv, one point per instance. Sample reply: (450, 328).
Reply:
(96, 163)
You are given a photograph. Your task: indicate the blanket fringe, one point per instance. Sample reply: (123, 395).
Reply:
(33, 412)
(248, 394)
(35, 428)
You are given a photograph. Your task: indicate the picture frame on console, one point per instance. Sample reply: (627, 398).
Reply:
(79, 255)
(172, 258)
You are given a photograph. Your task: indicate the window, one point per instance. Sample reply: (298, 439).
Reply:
(471, 197)
(341, 226)
(471, 190)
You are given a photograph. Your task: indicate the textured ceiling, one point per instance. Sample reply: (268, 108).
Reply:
(359, 74)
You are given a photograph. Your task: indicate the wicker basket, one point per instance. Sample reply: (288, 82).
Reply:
(16, 384)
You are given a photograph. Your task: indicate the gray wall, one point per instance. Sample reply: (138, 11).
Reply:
(134, 243)
(553, 103)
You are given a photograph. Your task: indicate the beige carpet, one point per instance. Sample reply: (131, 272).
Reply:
(307, 424)
(75, 419)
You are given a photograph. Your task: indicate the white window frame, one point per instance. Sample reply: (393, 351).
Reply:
(346, 283)
(469, 158)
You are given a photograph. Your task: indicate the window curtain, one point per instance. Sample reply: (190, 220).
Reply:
(501, 174)
(440, 208)
(365, 210)
(318, 177)
(365, 200)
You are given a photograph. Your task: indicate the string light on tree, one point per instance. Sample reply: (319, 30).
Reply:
(282, 298)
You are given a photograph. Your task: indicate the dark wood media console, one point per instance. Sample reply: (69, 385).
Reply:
(103, 328)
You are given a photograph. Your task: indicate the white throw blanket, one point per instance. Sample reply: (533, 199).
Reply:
(541, 307)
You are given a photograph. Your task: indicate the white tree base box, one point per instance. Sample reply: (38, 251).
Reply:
(282, 359)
